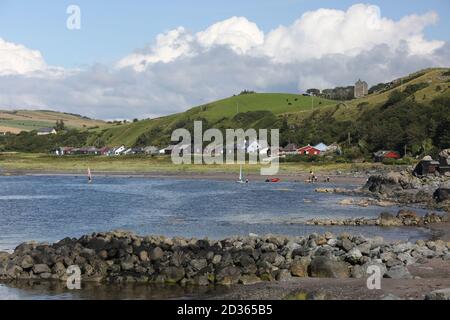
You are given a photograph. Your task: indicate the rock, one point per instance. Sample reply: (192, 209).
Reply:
(268, 247)
(216, 259)
(143, 256)
(398, 272)
(59, 269)
(353, 256)
(173, 274)
(407, 214)
(4, 256)
(228, 276)
(11, 271)
(127, 265)
(358, 272)
(423, 252)
(323, 267)
(442, 194)
(283, 275)
(26, 262)
(41, 268)
(249, 279)
(103, 254)
(198, 264)
(346, 202)
(299, 267)
(388, 220)
(347, 245)
(156, 254)
(406, 258)
(402, 247)
(442, 294)
(364, 248)
(390, 296)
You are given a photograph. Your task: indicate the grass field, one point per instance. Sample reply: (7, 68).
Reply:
(146, 164)
(277, 103)
(28, 120)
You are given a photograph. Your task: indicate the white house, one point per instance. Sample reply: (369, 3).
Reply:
(46, 131)
(253, 147)
(120, 150)
(322, 147)
(151, 150)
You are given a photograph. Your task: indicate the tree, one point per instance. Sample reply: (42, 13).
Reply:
(60, 126)
(313, 92)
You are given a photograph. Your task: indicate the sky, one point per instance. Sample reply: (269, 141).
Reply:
(151, 58)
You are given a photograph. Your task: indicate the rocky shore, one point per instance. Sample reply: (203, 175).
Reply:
(405, 218)
(123, 257)
(431, 191)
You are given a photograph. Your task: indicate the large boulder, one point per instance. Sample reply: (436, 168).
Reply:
(173, 274)
(299, 267)
(228, 275)
(442, 294)
(41, 268)
(398, 272)
(323, 267)
(390, 182)
(442, 194)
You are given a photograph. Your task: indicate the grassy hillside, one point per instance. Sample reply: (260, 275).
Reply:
(25, 120)
(219, 114)
(412, 113)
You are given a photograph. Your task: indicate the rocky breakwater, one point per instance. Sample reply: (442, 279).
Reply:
(432, 191)
(123, 257)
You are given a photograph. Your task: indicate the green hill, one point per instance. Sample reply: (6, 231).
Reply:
(219, 113)
(412, 112)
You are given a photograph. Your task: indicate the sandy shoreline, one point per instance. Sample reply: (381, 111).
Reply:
(345, 178)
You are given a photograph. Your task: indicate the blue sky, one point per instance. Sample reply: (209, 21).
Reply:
(111, 29)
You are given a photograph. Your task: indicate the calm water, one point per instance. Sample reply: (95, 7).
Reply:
(51, 208)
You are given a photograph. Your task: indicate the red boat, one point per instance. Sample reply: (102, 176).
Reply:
(273, 180)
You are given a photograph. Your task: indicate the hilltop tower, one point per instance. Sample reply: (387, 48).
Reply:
(361, 89)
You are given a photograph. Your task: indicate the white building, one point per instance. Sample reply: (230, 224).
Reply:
(46, 131)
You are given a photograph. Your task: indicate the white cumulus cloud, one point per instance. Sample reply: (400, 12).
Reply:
(322, 48)
(17, 59)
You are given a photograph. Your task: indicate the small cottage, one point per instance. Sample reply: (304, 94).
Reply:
(379, 156)
(309, 151)
(46, 131)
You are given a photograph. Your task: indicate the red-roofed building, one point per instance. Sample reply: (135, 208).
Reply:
(309, 151)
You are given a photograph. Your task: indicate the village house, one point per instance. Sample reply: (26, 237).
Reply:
(379, 156)
(309, 151)
(46, 131)
(291, 148)
(322, 147)
(118, 151)
(361, 89)
(151, 150)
